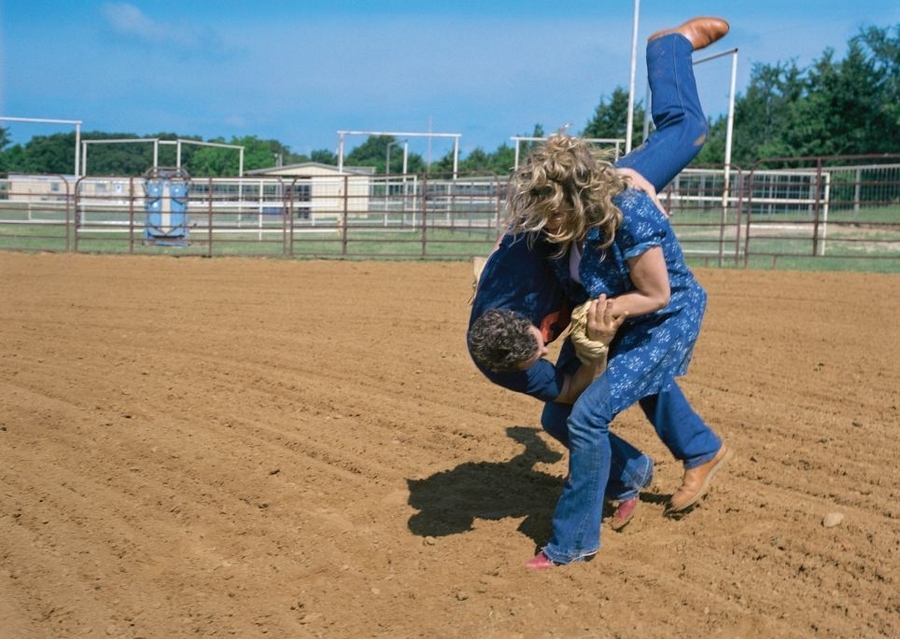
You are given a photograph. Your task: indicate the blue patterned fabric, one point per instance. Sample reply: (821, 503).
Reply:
(649, 351)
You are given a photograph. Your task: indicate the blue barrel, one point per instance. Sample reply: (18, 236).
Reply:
(166, 206)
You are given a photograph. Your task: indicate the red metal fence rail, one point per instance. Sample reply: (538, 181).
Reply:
(837, 212)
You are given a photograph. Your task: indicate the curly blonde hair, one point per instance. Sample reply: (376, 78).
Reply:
(566, 183)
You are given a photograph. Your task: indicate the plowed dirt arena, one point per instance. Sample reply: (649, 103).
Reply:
(237, 447)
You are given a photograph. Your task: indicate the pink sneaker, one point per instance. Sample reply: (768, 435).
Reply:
(623, 514)
(540, 562)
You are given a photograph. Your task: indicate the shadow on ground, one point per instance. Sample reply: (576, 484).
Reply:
(449, 502)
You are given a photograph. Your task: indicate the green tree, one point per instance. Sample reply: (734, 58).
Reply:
(373, 153)
(501, 162)
(610, 119)
(761, 117)
(324, 156)
(12, 159)
(442, 166)
(872, 70)
(839, 114)
(478, 160)
(123, 158)
(206, 161)
(885, 51)
(218, 161)
(50, 154)
(834, 107)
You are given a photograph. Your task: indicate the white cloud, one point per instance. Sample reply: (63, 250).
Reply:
(128, 20)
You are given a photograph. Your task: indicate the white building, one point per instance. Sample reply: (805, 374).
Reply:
(321, 190)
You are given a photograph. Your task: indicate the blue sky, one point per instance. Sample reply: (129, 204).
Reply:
(301, 70)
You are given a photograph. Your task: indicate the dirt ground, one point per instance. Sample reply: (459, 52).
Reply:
(236, 447)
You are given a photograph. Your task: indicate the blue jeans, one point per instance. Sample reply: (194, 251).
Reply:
(630, 469)
(576, 519)
(679, 136)
(602, 463)
(681, 126)
(679, 427)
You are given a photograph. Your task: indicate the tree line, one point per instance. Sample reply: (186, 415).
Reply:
(847, 106)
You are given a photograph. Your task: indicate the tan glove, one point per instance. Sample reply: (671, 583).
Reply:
(589, 351)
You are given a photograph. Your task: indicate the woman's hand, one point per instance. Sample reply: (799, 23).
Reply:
(639, 182)
(602, 324)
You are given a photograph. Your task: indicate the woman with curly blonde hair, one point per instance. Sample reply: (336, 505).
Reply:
(612, 240)
(564, 188)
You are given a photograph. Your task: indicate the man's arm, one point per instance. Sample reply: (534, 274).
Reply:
(574, 384)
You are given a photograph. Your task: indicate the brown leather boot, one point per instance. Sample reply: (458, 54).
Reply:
(700, 32)
(696, 482)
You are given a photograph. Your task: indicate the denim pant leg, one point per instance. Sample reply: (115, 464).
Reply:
(554, 416)
(576, 519)
(553, 420)
(679, 427)
(630, 469)
(681, 126)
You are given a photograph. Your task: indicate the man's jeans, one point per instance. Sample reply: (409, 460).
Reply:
(681, 126)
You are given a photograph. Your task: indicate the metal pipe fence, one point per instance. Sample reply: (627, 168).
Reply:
(792, 212)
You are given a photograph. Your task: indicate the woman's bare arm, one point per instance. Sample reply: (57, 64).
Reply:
(651, 282)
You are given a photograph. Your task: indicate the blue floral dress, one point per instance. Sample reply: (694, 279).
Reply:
(651, 350)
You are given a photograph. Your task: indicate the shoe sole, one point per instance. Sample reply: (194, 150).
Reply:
(620, 524)
(705, 487)
(545, 563)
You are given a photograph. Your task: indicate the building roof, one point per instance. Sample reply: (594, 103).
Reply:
(311, 168)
